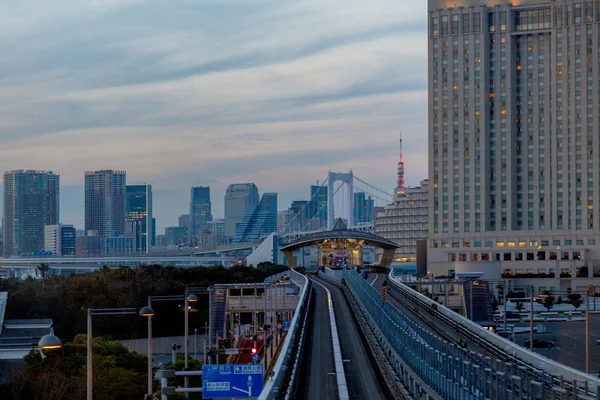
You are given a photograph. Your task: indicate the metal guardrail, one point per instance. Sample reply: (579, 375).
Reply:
(277, 384)
(451, 371)
(562, 375)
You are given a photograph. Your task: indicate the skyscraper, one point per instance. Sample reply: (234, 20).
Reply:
(105, 202)
(318, 209)
(200, 213)
(239, 198)
(260, 221)
(138, 215)
(31, 201)
(513, 132)
(363, 208)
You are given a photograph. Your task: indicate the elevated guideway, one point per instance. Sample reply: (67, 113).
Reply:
(424, 336)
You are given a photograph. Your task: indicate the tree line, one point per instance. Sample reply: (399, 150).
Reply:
(118, 373)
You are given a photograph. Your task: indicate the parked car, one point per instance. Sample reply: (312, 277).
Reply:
(540, 343)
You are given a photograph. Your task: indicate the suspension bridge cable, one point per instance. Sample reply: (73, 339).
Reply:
(305, 205)
(390, 196)
(320, 208)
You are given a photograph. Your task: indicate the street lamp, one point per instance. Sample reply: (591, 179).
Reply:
(190, 298)
(49, 342)
(144, 312)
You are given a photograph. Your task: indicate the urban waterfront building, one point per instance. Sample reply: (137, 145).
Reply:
(31, 201)
(175, 236)
(260, 221)
(514, 150)
(318, 204)
(184, 222)
(284, 221)
(60, 239)
(105, 202)
(217, 228)
(239, 199)
(363, 208)
(138, 216)
(200, 213)
(405, 221)
(118, 245)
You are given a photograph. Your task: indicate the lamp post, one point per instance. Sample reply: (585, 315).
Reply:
(191, 298)
(49, 342)
(144, 312)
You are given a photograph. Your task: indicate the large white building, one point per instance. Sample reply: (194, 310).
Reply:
(405, 221)
(514, 149)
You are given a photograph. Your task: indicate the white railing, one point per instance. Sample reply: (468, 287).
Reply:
(275, 385)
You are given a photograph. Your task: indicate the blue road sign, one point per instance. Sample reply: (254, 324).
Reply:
(254, 357)
(232, 380)
(286, 324)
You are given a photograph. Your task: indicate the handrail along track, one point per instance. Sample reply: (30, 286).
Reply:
(566, 378)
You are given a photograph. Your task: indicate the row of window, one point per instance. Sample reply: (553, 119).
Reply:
(530, 20)
(516, 256)
(520, 243)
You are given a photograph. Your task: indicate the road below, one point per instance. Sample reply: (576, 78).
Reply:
(318, 372)
(361, 378)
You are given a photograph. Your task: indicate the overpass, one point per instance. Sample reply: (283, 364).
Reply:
(93, 263)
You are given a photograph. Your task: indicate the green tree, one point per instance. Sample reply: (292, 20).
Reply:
(118, 373)
(43, 268)
(519, 306)
(575, 300)
(549, 302)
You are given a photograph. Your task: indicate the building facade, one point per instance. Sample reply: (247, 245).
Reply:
(105, 202)
(318, 205)
(138, 216)
(260, 221)
(31, 201)
(405, 221)
(239, 198)
(514, 150)
(363, 208)
(200, 213)
(59, 239)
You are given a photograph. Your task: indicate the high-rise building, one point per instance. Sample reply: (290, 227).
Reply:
(105, 203)
(175, 236)
(514, 148)
(31, 201)
(301, 211)
(138, 216)
(260, 221)
(217, 227)
(239, 198)
(284, 221)
(318, 204)
(363, 208)
(59, 239)
(200, 213)
(404, 221)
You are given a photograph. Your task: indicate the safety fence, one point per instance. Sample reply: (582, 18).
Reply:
(454, 372)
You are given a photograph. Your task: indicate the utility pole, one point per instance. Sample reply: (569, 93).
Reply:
(531, 321)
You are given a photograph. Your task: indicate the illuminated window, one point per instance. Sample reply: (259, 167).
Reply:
(500, 244)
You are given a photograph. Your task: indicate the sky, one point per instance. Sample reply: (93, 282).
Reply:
(184, 93)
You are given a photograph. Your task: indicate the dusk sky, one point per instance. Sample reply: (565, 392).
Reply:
(203, 92)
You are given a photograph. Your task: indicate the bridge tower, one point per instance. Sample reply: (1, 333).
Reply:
(348, 179)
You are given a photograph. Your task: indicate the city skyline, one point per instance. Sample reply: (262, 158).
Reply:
(151, 101)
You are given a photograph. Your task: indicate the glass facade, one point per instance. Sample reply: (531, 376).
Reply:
(31, 201)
